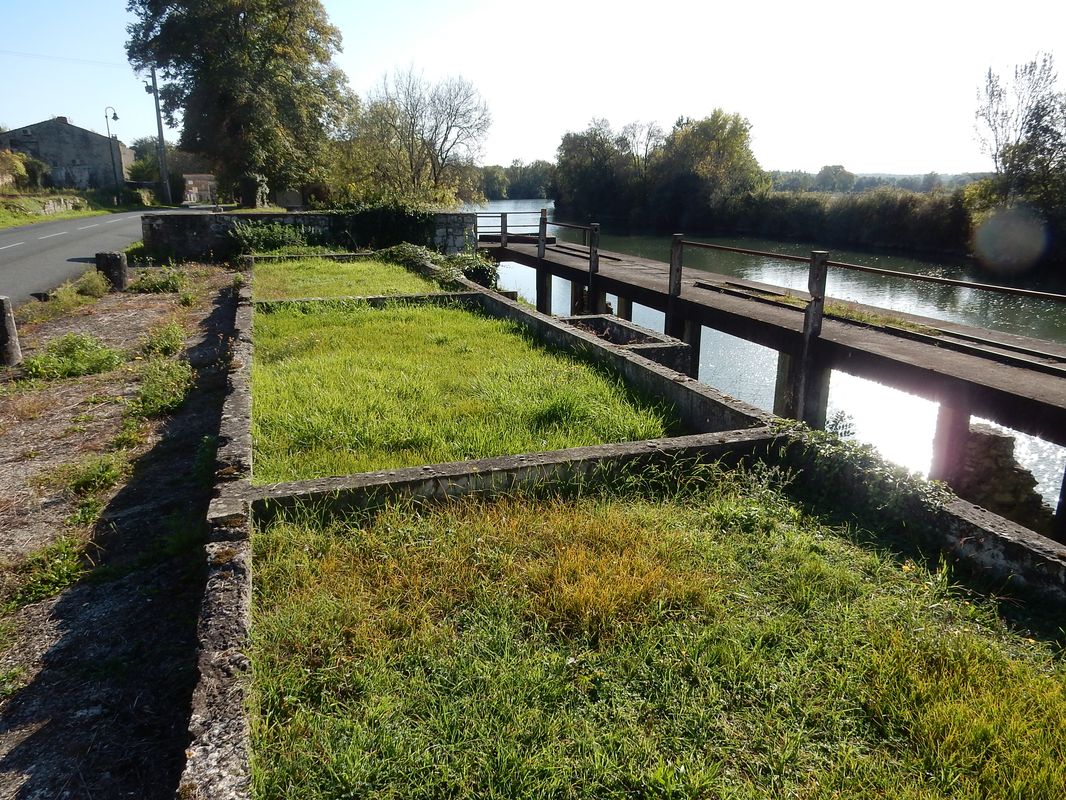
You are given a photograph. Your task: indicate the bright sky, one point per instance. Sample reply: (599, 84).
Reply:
(877, 88)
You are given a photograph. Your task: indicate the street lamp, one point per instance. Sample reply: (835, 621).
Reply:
(110, 143)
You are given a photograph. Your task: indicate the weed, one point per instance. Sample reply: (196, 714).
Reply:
(11, 680)
(158, 280)
(186, 299)
(95, 475)
(164, 340)
(47, 572)
(92, 284)
(86, 512)
(163, 386)
(130, 435)
(70, 356)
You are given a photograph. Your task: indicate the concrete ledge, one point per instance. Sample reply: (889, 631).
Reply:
(491, 476)
(217, 765)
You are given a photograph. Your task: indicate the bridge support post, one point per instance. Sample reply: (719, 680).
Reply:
(503, 229)
(949, 441)
(544, 291)
(624, 309)
(542, 234)
(10, 351)
(692, 336)
(815, 404)
(675, 324)
(1058, 527)
(597, 299)
(809, 395)
(577, 298)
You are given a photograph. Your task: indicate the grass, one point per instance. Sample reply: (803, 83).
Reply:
(350, 389)
(64, 299)
(319, 277)
(163, 385)
(158, 280)
(708, 641)
(28, 209)
(166, 339)
(70, 356)
(47, 572)
(852, 314)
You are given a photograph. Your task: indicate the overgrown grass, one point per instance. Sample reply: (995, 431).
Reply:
(351, 389)
(66, 297)
(163, 385)
(319, 277)
(72, 355)
(852, 314)
(166, 339)
(47, 572)
(158, 280)
(703, 642)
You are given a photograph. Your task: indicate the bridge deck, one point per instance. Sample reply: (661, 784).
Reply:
(1014, 380)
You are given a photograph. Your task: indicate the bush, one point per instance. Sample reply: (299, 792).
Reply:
(164, 384)
(92, 284)
(259, 237)
(158, 281)
(70, 356)
(476, 267)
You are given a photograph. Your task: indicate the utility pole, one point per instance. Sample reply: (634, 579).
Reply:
(160, 146)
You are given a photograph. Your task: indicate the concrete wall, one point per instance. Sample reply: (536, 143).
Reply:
(77, 157)
(206, 235)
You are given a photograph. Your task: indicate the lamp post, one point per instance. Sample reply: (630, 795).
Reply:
(111, 143)
(160, 147)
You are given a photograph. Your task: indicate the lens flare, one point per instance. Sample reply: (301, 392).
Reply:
(1010, 240)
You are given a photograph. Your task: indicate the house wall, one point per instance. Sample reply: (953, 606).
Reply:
(78, 158)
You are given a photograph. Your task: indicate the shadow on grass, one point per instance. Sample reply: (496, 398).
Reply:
(108, 713)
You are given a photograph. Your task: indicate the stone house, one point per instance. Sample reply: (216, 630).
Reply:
(78, 158)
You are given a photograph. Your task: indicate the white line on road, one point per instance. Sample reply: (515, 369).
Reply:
(86, 227)
(16, 244)
(110, 221)
(49, 236)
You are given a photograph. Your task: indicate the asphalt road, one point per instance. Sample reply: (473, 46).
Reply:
(39, 257)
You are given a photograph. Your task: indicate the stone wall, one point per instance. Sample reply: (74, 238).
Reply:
(206, 236)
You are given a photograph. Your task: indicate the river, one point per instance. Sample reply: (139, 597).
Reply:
(898, 424)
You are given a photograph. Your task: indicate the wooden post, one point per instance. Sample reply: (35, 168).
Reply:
(503, 229)
(113, 266)
(675, 325)
(10, 351)
(810, 383)
(597, 300)
(949, 441)
(544, 291)
(784, 402)
(625, 308)
(542, 237)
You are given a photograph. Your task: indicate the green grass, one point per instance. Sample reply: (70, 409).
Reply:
(163, 385)
(319, 277)
(64, 299)
(70, 356)
(708, 642)
(27, 210)
(349, 389)
(47, 572)
(158, 280)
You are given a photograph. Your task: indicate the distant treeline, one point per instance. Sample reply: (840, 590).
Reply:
(702, 178)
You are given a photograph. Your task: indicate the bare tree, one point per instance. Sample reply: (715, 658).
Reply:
(426, 134)
(1006, 114)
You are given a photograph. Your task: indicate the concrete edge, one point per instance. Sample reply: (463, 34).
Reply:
(495, 475)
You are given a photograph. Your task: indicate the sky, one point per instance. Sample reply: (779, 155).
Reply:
(878, 88)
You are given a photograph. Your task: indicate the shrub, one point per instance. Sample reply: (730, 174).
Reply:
(164, 340)
(92, 284)
(259, 237)
(164, 384)
(158, 280)
(70, 356)
(475, 267)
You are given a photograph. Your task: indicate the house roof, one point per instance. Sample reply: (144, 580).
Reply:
(59, 121)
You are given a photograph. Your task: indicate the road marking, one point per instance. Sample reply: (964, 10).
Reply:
(110, 221)
(49, 236)
(86, 227)
(16, 244)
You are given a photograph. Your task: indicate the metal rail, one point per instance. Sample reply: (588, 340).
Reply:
(988, 287)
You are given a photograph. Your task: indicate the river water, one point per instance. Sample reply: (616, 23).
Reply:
(898, 424)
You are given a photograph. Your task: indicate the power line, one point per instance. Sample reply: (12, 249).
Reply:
(45, 57)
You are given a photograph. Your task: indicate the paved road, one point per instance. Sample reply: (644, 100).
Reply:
(37, 258)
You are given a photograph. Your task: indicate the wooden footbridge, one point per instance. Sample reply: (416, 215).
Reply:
(1013, 380)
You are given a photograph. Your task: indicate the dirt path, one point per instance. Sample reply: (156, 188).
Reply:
(96, 680)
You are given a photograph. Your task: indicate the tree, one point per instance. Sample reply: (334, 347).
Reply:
(833, 178)
(494, 182)
(251, 80)
(429, 132)
(532, 181)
